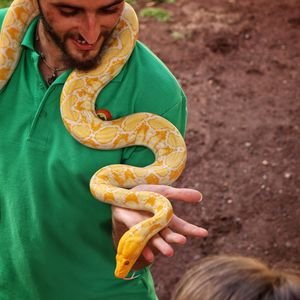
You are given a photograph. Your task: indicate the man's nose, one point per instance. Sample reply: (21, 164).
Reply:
(90, 28)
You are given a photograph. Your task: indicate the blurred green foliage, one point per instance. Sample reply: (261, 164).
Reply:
(131, 2)
(5, 3)
(159, 14)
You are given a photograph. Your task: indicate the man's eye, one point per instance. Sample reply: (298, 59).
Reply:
(110, 10)
(68, 12)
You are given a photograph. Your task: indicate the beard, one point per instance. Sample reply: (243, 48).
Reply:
(61, 42)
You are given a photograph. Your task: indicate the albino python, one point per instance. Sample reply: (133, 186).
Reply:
(110, 184)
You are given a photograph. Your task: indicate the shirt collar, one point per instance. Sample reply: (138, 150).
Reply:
(29, 37)
(28, 41)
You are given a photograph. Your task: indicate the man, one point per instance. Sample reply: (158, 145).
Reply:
(56, 240)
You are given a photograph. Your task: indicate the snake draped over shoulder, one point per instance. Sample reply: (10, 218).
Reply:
(112, 183)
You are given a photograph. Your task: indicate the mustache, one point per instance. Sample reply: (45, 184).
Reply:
(77, 36)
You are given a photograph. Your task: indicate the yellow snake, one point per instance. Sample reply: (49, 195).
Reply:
(110, 184)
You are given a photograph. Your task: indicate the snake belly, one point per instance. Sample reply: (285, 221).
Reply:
(112, 183)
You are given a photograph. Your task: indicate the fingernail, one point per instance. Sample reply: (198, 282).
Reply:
(204, 231)
(201, 232)
(201, 197)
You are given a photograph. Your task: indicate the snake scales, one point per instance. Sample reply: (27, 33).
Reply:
(112, 183)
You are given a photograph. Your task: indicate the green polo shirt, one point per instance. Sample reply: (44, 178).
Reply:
(55, 238)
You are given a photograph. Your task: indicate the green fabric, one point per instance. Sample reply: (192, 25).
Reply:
(55, 238)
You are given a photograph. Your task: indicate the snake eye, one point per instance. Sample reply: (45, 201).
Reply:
(126, 263)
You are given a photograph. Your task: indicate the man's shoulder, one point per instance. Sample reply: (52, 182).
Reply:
(150, 73)
(3, 12)
(149, 66)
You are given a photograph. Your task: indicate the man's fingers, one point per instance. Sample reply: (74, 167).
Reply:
(161, 245)
(172, 193)
(172, 237)
(148, 254)
(182, 227)
(155, 245)
(129, 217)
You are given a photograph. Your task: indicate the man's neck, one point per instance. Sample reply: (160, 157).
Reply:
(51, 63)
(46, 45)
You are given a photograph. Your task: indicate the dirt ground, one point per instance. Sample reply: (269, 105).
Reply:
(238, 62)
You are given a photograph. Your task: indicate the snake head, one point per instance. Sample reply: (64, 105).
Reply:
(123, 266)
(129, 249)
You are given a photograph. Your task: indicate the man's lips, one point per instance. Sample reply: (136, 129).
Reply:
(84, 46)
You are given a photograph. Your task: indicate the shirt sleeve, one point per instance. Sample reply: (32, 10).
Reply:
(3, 12)
(141, 156)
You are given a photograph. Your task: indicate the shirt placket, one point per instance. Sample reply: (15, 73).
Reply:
(41, 123)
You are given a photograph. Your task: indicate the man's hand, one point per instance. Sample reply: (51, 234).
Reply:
(175, 233)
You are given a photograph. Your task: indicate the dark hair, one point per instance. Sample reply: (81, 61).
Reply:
(236, 278)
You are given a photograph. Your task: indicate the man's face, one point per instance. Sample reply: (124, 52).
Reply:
(80, 27)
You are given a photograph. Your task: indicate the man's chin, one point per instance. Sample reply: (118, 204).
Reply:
(86, 66)
(82, 60)
(83, 64)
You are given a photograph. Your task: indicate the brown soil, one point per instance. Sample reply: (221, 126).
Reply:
(238, 62)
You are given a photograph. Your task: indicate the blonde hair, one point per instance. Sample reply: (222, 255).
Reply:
(236, 278)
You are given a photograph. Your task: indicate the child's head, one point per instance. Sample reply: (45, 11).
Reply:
(236, 278)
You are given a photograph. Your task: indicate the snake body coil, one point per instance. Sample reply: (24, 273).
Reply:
(110, 184)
